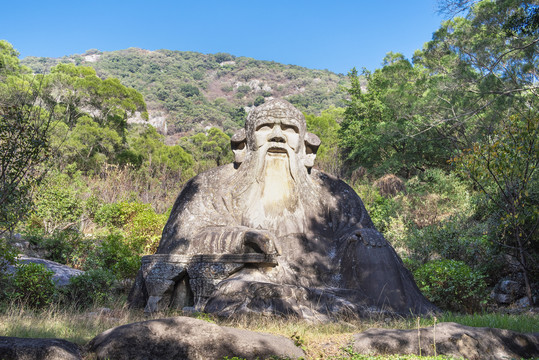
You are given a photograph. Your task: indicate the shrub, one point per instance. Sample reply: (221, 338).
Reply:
(452, 285)
(89, 288)
(32, 285)
(120, 256)
(259, 100)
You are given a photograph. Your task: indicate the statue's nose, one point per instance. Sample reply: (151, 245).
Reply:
(277, 135)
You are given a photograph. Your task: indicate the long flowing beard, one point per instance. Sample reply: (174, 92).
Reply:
(266, 193)
(278, 186)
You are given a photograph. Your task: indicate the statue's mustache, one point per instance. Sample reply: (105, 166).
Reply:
(276, 147)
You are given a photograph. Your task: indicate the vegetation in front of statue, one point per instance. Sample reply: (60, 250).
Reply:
(93, 287)
(30, 285)
(452, 285)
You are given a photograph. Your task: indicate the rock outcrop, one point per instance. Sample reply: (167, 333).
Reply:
(62, 273)
(13, 348)
(188, 338)
(449, 339)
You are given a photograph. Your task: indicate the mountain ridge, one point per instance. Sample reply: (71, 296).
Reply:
(188, 91)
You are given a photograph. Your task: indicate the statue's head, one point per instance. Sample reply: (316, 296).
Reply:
(276, 127)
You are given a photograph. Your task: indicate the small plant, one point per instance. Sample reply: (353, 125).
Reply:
(452, 285)
(32, 285)
(299, 341)
(91, 288)
(204, 316)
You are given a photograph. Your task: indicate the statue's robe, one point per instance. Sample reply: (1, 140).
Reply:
(330, 258)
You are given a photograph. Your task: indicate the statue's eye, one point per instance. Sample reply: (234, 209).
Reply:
(289, 128)
(265, 127)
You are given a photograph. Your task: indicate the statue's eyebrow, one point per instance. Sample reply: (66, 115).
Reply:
(290, 126)
(270, 124)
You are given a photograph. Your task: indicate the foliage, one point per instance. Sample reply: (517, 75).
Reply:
(452, 285)
(382, 126)
(93, 287)
(326, 127)
(24, 141)
(141, 231)
(185, 84)
(32, 285)
(8, 254)
(58, 202)
(479, 72)
(209, 149)
(120, 256)
(148, 153)
(503, 166)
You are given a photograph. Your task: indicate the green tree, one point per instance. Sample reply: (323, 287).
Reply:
(209, 149)
(382, 127)
(479, 72)
(24, 141)
(504, 166)
(326, 127)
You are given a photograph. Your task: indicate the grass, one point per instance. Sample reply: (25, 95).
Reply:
(328, 340)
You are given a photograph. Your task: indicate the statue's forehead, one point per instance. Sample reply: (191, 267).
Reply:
(277, 119)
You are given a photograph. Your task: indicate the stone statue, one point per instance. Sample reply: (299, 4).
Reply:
(271, 234)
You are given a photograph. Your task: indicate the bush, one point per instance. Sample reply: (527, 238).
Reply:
(32, 285)
(452, 285)
(89, 288)
(120, 256)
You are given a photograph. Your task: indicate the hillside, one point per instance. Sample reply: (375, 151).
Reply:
(188, 91)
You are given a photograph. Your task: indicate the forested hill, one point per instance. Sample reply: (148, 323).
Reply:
(191, 91)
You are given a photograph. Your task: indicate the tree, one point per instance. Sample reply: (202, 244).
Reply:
(24, 142)
(209, 149)
(383, 129)
(326, 127)
(504, 167)
(479, 72)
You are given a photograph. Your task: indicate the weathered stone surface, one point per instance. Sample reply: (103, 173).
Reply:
(451, 339)
(188, 338)
(509, 287)
(62, 273)
(13, 348)
(271, 234)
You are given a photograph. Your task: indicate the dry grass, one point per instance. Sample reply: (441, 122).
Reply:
(326, 340)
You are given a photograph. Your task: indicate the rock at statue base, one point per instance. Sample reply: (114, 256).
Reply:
(452, 339)
(13, 348)
(270, 234)
(188, 338)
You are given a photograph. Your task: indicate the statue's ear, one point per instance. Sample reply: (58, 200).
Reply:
(312, 143)
(238, 142)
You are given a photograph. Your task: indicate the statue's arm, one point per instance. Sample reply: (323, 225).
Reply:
(201, 223)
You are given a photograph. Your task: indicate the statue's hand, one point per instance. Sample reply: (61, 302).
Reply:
(260, 241)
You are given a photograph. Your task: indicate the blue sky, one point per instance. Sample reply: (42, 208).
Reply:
(334, 34)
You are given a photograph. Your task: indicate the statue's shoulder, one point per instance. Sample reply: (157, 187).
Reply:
(211, 178)
(202, 186)
(330, 182)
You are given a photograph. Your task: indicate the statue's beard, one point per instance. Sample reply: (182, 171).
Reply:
(266, 190)
(277, 188)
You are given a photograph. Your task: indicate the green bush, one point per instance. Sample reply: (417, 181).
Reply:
(90, 288)
(32, 285)
(120, 256)
(452, 285)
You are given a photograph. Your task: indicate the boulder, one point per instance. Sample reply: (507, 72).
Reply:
(452, 339)
(62, 273)
(13, 348)
(188, 338)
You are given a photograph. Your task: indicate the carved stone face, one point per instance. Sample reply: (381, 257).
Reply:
(278, 134)
(276, 128)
